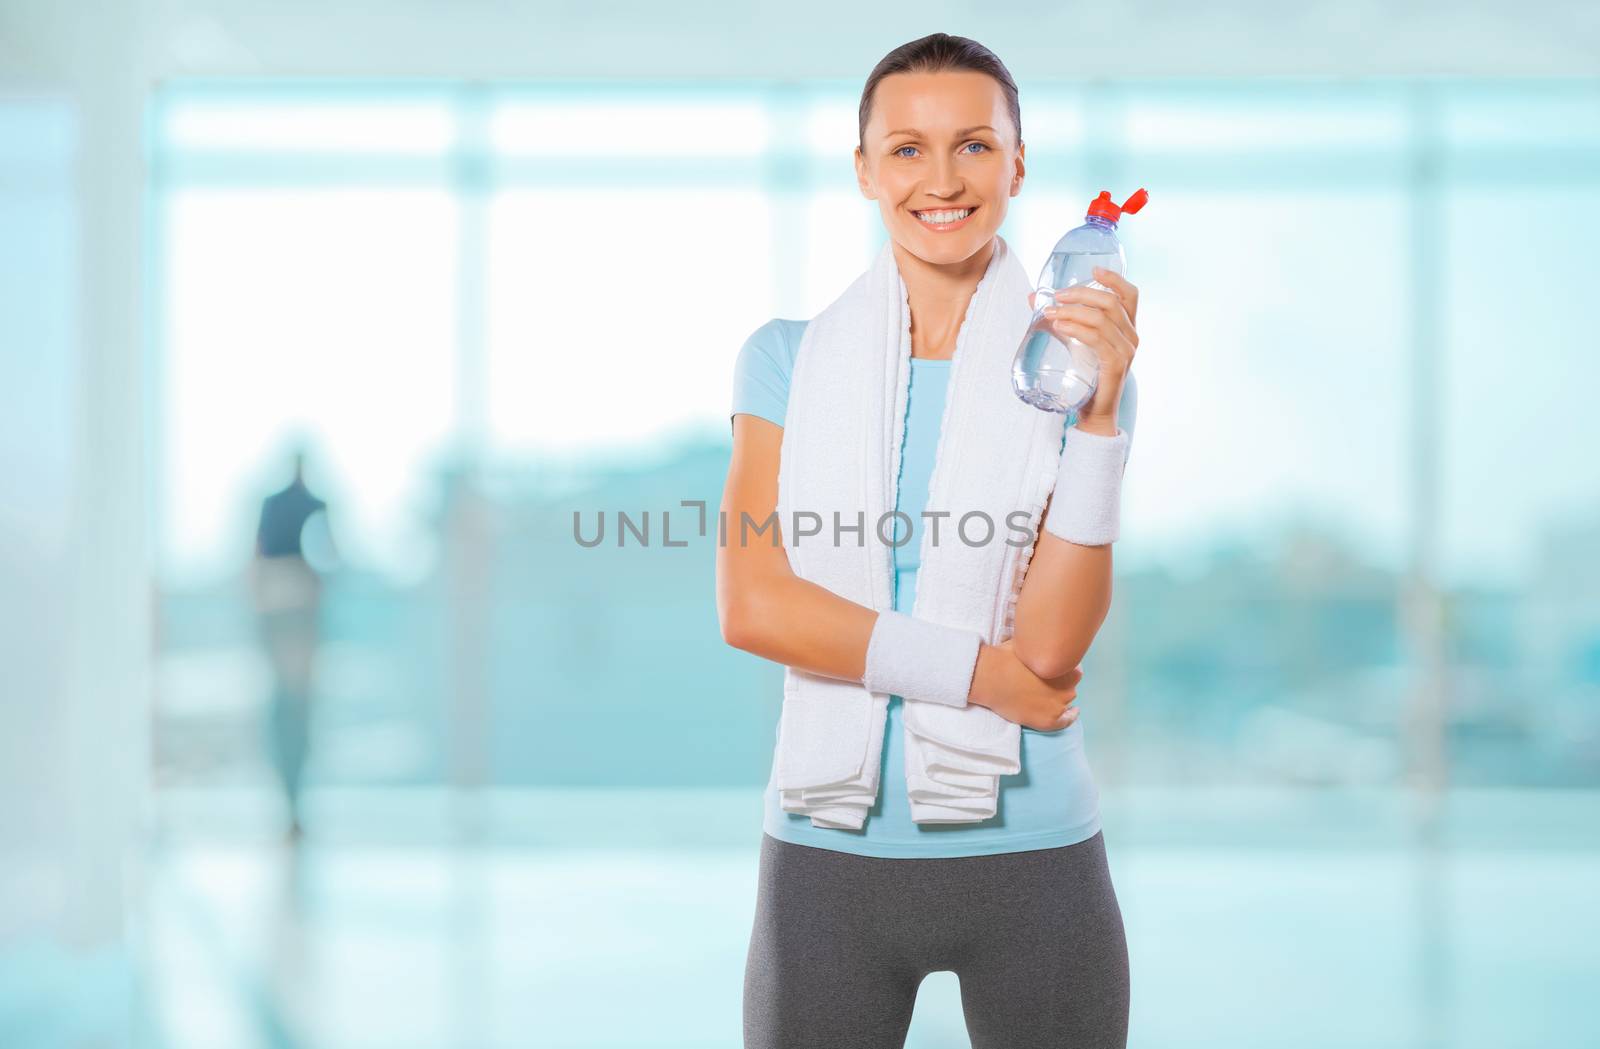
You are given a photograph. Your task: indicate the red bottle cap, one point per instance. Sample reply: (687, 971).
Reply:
(1103, 207)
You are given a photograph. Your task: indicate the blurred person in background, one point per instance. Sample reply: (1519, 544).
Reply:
(1020, 905)
(293, 546)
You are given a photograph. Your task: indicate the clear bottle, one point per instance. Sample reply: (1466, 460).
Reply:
(1045, 373)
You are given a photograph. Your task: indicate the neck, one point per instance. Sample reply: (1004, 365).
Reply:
(938, 295)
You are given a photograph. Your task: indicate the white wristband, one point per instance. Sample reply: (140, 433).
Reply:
(1086, 505)
(915, 659)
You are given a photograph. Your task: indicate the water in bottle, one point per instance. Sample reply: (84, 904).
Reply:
(1045, 373)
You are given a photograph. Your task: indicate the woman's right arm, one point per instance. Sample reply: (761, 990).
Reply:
(764, 607)
(768, 611)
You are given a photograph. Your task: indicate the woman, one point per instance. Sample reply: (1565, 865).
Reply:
(1020, 905)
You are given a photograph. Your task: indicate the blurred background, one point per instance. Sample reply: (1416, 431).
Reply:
(319, 323)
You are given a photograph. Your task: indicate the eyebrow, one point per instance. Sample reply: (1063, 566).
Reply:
(959, 132)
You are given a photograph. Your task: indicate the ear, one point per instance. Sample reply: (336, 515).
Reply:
(863, 180)
(1021, 169)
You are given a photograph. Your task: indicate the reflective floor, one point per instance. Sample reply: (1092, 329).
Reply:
(380, 932)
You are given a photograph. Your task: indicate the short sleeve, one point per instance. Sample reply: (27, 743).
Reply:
(761, 372)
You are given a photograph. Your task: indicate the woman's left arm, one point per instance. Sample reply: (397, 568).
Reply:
(1067, 592)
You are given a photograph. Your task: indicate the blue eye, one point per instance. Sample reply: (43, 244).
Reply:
(899, 152)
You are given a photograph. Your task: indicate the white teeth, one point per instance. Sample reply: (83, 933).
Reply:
(941, 217)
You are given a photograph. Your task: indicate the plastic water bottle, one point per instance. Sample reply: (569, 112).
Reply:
(1048, 375)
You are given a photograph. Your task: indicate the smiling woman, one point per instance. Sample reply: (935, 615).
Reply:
(864, 890)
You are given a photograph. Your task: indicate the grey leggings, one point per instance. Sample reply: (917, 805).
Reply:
(841, 943)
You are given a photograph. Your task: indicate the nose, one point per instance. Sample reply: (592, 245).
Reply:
(945, 180)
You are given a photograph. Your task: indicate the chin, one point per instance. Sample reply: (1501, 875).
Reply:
(948, 247)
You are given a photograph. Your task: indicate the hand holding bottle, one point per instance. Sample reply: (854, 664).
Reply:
(1055, 369)
(1104, 321)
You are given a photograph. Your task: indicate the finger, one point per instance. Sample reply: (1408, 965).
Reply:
(1124, 288)
(1066, 331)
(1114, 338)
(1108, 303)
(1113, 279)
(1107, 341)
(1097, 318)
(1107, 300)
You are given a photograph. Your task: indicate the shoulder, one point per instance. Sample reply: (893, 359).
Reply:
(764, 365)
(776, 342)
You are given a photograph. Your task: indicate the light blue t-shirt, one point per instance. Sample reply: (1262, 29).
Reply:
(1053, 801)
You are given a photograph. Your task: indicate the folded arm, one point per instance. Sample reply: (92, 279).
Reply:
(768, 611)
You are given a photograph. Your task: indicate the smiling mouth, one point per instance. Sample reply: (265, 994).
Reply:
(944, 218)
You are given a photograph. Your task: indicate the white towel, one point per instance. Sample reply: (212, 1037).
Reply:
(838, 466)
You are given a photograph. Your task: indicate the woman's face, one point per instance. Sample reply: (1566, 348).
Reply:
(940, 142)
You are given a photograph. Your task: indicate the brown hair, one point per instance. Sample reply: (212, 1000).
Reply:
(936, 53)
